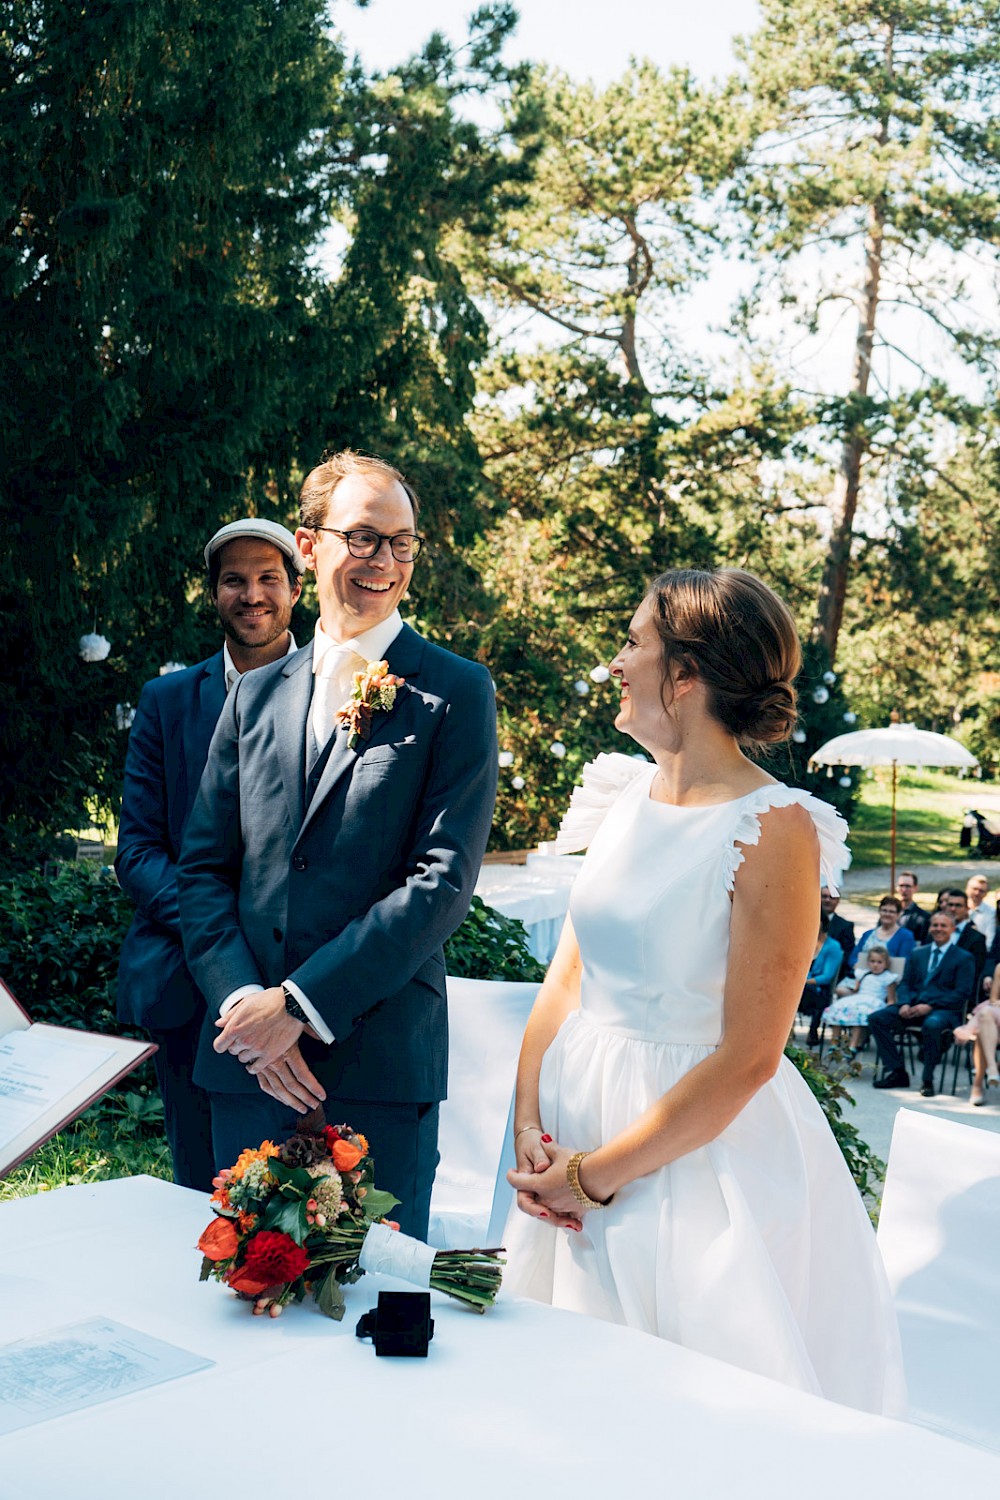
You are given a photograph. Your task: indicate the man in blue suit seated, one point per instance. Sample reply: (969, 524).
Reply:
(936, 988)
(254, 571)
(323, 868)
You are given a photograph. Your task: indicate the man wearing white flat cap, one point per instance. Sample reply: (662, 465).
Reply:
(254, 574)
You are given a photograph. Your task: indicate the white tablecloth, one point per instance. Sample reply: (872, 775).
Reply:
(524, 1402)
(537, 895)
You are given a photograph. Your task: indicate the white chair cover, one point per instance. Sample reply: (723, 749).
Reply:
(486, 1022)
(938, 1232)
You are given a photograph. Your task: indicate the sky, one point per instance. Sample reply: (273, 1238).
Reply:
(586, 38)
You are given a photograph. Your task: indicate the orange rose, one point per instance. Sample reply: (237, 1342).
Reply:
(220, 1240)
(345, 1156)
(240, 1281)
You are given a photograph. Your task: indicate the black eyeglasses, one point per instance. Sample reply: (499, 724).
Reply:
(405, 545)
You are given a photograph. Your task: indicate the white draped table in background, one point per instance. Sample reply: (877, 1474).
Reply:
(536, 893)
(525, 1401)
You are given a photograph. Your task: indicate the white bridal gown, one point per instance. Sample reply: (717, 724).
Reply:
(755, 1248)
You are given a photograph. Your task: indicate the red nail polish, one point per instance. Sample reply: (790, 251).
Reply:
(543, 1216)
(547, 1139)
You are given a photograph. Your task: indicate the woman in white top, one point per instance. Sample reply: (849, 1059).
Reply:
(674, 1172)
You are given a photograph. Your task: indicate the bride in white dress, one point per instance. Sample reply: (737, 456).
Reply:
(674, 1172)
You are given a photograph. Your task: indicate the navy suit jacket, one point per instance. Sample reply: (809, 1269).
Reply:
(950, 987)
(167, 751)
(353, 896)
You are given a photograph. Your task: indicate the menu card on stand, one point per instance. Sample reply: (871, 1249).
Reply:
(50, 1074)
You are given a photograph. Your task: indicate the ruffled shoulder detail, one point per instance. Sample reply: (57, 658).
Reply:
(604, 780)
(834, 855)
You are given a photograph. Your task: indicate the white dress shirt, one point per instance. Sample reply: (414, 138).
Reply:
(334, 666)
(232, 671)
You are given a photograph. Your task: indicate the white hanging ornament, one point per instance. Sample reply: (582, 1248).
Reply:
(829, 678)
(171, 666)
(581, 687)
(799, 736)
(850, 718)
(599, 674)
(517, 782)
(124, 716)
(558, 749)
(506, 758)
(821, 695)
(845, 781)
(94, 647)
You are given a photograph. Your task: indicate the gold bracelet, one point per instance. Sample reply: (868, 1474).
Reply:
(579, 1192)
(524, 1128)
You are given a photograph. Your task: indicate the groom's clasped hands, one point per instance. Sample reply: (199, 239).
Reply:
(541, 1182)
(260, 1033)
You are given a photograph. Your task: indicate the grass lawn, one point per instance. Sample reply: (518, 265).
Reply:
(929, 808)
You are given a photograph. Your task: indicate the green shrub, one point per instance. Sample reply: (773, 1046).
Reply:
(826, 1084)
(491, 946)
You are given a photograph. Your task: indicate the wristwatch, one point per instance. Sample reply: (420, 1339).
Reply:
(292, 1006)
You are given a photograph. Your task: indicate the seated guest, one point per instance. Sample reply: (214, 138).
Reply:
(820, 980)
(912, 916)
(966, 936)
(899, 940)
(981, 914)
(937, 985)
(838, 927)
(859, 997)
(982, 1029)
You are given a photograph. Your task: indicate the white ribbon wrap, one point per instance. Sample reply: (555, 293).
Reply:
(390, 1253)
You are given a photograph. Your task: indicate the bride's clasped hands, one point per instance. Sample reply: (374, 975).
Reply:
(542, 1181)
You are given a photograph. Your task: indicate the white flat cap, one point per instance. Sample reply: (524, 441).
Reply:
(265, 531)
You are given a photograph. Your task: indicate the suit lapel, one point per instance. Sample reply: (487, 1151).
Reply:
(290, 711)
(211, 698)
(404, 657)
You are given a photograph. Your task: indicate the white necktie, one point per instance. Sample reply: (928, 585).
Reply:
(331, 690)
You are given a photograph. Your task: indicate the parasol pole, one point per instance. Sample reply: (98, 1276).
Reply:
(892, 844)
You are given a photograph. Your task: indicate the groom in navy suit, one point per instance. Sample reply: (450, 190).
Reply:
(254, 569)
(319, 879)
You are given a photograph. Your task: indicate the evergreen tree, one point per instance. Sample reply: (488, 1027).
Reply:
(877, 137)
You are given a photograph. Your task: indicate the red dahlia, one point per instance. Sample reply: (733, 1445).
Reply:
(272, 1257)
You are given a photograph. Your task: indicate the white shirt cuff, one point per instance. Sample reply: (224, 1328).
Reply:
(246, 989)
(316, 1021)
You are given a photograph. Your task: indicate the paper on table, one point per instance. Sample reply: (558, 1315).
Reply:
(67, 1369)
(37, 1069)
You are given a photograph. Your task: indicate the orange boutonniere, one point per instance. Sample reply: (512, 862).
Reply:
(374, 691)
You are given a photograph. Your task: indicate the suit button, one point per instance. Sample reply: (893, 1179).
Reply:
(299, 862)
(278, 935)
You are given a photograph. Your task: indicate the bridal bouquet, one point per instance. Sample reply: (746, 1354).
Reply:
(306, 1217)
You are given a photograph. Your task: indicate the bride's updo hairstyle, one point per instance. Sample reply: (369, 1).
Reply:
(734, 634)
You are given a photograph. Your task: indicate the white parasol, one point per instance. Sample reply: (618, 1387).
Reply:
(896, 745)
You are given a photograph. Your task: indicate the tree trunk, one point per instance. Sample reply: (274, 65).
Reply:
(847, 485)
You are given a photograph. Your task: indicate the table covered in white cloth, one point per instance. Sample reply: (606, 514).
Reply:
(525, 1401)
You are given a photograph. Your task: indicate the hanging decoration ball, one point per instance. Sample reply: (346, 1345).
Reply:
(558, 749)
(599, 674)
(581, 687)
(821, 695)
(171, 666)
(94, 647)
(506, 758)
(799, 736)
(517, 782)
(124, 715)
(845, 781)
(829, 678)
(850, 718)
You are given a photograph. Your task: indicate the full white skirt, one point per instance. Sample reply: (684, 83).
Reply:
(755, 1249)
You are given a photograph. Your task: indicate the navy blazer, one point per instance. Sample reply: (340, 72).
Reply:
(353, 896)
(950, 988)
(167, 751)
